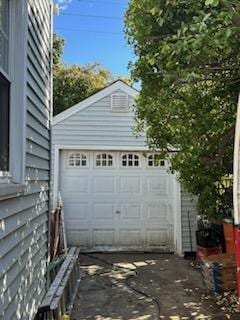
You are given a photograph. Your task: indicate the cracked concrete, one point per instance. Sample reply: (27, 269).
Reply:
(106, 292)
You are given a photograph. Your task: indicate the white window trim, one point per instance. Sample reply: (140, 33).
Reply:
(5, 176)
(3, 72)
(7, 36)
(80, 166)
(17, 77)
(107, 166)
(158, 167)
(129, 167)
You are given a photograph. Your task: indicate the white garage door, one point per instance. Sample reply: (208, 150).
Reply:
(117, 200)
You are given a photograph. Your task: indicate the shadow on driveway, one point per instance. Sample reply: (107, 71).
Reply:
(106, 291)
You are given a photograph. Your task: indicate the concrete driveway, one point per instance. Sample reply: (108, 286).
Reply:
(143, 287)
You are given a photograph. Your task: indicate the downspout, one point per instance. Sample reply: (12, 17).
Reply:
(236, 193)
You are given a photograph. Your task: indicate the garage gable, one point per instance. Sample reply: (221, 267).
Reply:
(107, 119)
(117, 88)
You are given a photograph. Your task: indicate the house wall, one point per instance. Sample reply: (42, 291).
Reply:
(24, 217)
(189, 203)
(96, 126)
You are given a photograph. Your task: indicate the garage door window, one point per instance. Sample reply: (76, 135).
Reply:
(104, 160)
(154, 161)
(130, 160)
(77, 160)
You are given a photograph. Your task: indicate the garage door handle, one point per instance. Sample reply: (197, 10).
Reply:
(118, 211)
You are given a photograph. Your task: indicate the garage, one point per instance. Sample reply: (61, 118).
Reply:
(117, 200)
(118, 194)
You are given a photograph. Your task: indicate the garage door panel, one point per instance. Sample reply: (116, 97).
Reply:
(104, 184)
(158, 236)
(130, 184)
(130, 211)
(130, 238)
(103, 237)
(77, 184)
(157, 211)
(103, 211)
(76, 237)
(73, 224)
(157, 186)
(76, 210)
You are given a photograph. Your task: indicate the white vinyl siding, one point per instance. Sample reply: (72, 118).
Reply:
(24, 218)
(97, 125)
(189, 225)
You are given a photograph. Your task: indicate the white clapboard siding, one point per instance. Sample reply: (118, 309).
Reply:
(189, 203)
(97, 125)
(24, 219)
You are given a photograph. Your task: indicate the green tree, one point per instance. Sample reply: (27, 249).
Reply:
(188, 62)
(58, 46)
(74, 83)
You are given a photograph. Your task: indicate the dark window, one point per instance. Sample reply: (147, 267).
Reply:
(104, 160)
(155, 161)
(130, 160)
(4, 123)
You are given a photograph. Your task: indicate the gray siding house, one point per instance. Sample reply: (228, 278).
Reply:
(117, 194)
(25, 113)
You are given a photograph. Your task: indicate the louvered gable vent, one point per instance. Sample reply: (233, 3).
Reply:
(119, 102)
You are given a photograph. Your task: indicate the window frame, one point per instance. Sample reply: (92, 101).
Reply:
(17, 62)
(81, 159)
(153, 167)
(134, 155)
(6, 36)
(4, 127)
(5, 74)
(102, 159)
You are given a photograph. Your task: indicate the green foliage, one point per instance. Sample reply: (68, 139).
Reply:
(58, 46)
(74, 83)
(188, 63)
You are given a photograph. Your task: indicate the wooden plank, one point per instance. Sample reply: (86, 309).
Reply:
(75, 281)
(65, 279)
(56, 230)
(45, 306)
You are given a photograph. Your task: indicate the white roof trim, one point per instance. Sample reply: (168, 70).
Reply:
(102, 148)
(118, 85)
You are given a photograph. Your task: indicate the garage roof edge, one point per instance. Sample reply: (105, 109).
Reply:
(117, 85)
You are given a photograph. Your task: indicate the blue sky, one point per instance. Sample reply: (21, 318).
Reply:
(93, 32)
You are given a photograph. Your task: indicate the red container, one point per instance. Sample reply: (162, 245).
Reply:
(203, 252)
(228, 229)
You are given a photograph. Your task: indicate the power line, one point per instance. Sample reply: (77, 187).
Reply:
(89, 16)
(89, 31)
(100, 2)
